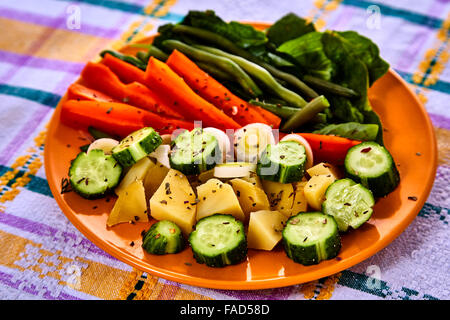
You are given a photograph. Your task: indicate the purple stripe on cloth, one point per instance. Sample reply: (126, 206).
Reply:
(57, 23)
(24, 133)
(269, 294)
(41, 63)
(8, 280)
(44, 230)
(440, 121)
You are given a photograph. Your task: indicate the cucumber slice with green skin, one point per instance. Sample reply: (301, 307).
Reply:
(92, 175)
(371, 165)
(136, 146)
(218, 240)
(349, 203)
(311, 237)
(163, 237)
(284, 162)
(194, 152)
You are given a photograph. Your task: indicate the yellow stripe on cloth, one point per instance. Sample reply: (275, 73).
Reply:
(95, 279)
(321, 10)
(45, 42)
(434, 61)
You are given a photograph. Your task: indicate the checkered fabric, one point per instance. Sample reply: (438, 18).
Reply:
(43, 47)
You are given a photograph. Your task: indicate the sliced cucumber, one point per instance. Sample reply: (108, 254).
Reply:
(372, 165)
(234, 170)
(136, 146)
(311, 237)
(219, 240)
(163, 237)
(94, 174)
(283, 162)
(195, 152)
(349, 203)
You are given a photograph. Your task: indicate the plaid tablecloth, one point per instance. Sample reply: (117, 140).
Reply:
(43, 47)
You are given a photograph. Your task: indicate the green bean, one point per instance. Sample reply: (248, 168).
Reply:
(130, 59)
(228, 45)
(216, 73)
(152, 51)
(222, 63)
(285, 112)
(262, 75)
(305, 114)
(330, 87)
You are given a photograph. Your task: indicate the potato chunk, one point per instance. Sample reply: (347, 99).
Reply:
(130, 206)
(175, 201)
(153, 179)
(264, 229)
(281, 196)
(137, 171)
(315, 190)
(323, 169)
(251, 198)
(214, 196)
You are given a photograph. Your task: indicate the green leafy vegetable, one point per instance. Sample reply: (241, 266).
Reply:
(287, 28)
(367, 51)
(309, 54)
(243, 35)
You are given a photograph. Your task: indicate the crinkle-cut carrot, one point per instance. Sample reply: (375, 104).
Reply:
(77, 91)
(171, 87)
(117, 119)
(217, 94)
(126, 72)
(101, 78)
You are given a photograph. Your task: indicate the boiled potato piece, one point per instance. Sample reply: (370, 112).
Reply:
(136, 172)
(253, 179)
(315, 190)
(264, 229)
(323, 169)
(300, 204)
(214, 196)
(281, 196)
(155, 175)
(175, 201)
(251, 198)
(131, 205)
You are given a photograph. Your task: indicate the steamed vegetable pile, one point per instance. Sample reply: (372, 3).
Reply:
(288, 153)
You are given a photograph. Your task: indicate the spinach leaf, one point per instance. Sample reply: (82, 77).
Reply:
(243, 35)
(308, 53)
(367, 51)
(351, 130)
(287, 28)
(350, 72)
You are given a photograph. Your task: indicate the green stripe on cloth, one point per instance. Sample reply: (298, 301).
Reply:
(36, 184)
(43, 97)
(377, 287)
(413, 17)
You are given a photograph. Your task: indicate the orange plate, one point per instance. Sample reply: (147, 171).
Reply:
(408, 131)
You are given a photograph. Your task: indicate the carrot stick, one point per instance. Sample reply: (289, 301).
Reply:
(126, 72)
(77, 91)
(117, 119)
(214, 92)
(327, 148)
(172, 87)
(101, 78)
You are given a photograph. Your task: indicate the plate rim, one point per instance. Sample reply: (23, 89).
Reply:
(253, 284)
